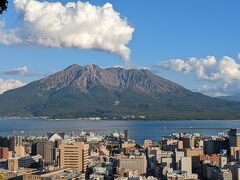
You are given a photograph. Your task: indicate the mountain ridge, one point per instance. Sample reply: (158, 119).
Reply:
(112, 93)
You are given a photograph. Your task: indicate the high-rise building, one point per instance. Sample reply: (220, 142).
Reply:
(4, 152)
(126, 134)
(186, 165)
(188, 141)
(73, 155)
(19, 151)
(234, 137)
(177, 157)
(195, 155)
(4, 141)
(46, 150)
(214, 146)
(15, 141)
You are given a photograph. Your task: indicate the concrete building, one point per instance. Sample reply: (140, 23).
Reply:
(133, 163)
(73, 155)
(29, 161)
(234, 137)
(13, 164)
(176, 158)
(214, 146)
(46, 150)
(195, 155)
(223, 161)
(125, 134)
(15, 141)
(186, 165)
(188, 141)
(4, 151)
(128, 144)
(56, 175)
(147, 143)
(19, 151)
(221, 174)
(213, 159)
(4, 141)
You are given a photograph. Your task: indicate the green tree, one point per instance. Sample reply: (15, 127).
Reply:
(3, 5)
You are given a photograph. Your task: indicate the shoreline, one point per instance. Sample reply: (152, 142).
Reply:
(89, 119)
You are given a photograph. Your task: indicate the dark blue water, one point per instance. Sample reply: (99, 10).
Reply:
(138, 130)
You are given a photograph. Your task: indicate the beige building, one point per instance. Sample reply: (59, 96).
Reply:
(13, 164)
(127, 144)
(39, 175)
(233, 151)
(147, 143)
(19, 151)
(73, 155)
(133, 163)
(186, 165)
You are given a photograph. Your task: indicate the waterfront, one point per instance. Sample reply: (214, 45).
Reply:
(138, 130)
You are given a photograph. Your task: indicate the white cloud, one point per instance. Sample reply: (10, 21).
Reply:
(214, 90)
(6, 85)
(23, 71)
(8, 37)
(80, 25)
(18, 71)
(226, 70)
(219, 88)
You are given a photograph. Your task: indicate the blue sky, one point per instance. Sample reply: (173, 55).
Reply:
(163, 30)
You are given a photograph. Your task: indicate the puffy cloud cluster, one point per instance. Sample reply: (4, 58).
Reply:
(6, 85)
(226, 70)
(17, 71)
(23, 71)
(8, 37)
(79, 25)
(220, 89)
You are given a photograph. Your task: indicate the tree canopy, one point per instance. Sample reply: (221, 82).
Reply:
(3, 5)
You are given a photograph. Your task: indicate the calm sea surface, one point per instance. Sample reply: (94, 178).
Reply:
(138, 130)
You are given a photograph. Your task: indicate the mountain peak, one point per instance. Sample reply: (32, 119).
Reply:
(74, 66)
(87, 91)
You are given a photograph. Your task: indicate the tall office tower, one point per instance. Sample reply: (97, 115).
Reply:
(46, 150)
(177, 157)
(15, 141)
(34, 149)
(126, 134)
(234, 137)
(19, 151)
(73, 155)
(188, 141)
(4, 152)
(186, 165)
(4, 142)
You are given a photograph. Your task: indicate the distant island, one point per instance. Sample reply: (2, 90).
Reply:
(90, 92)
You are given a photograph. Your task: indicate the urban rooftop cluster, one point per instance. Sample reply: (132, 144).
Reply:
(179, 156)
